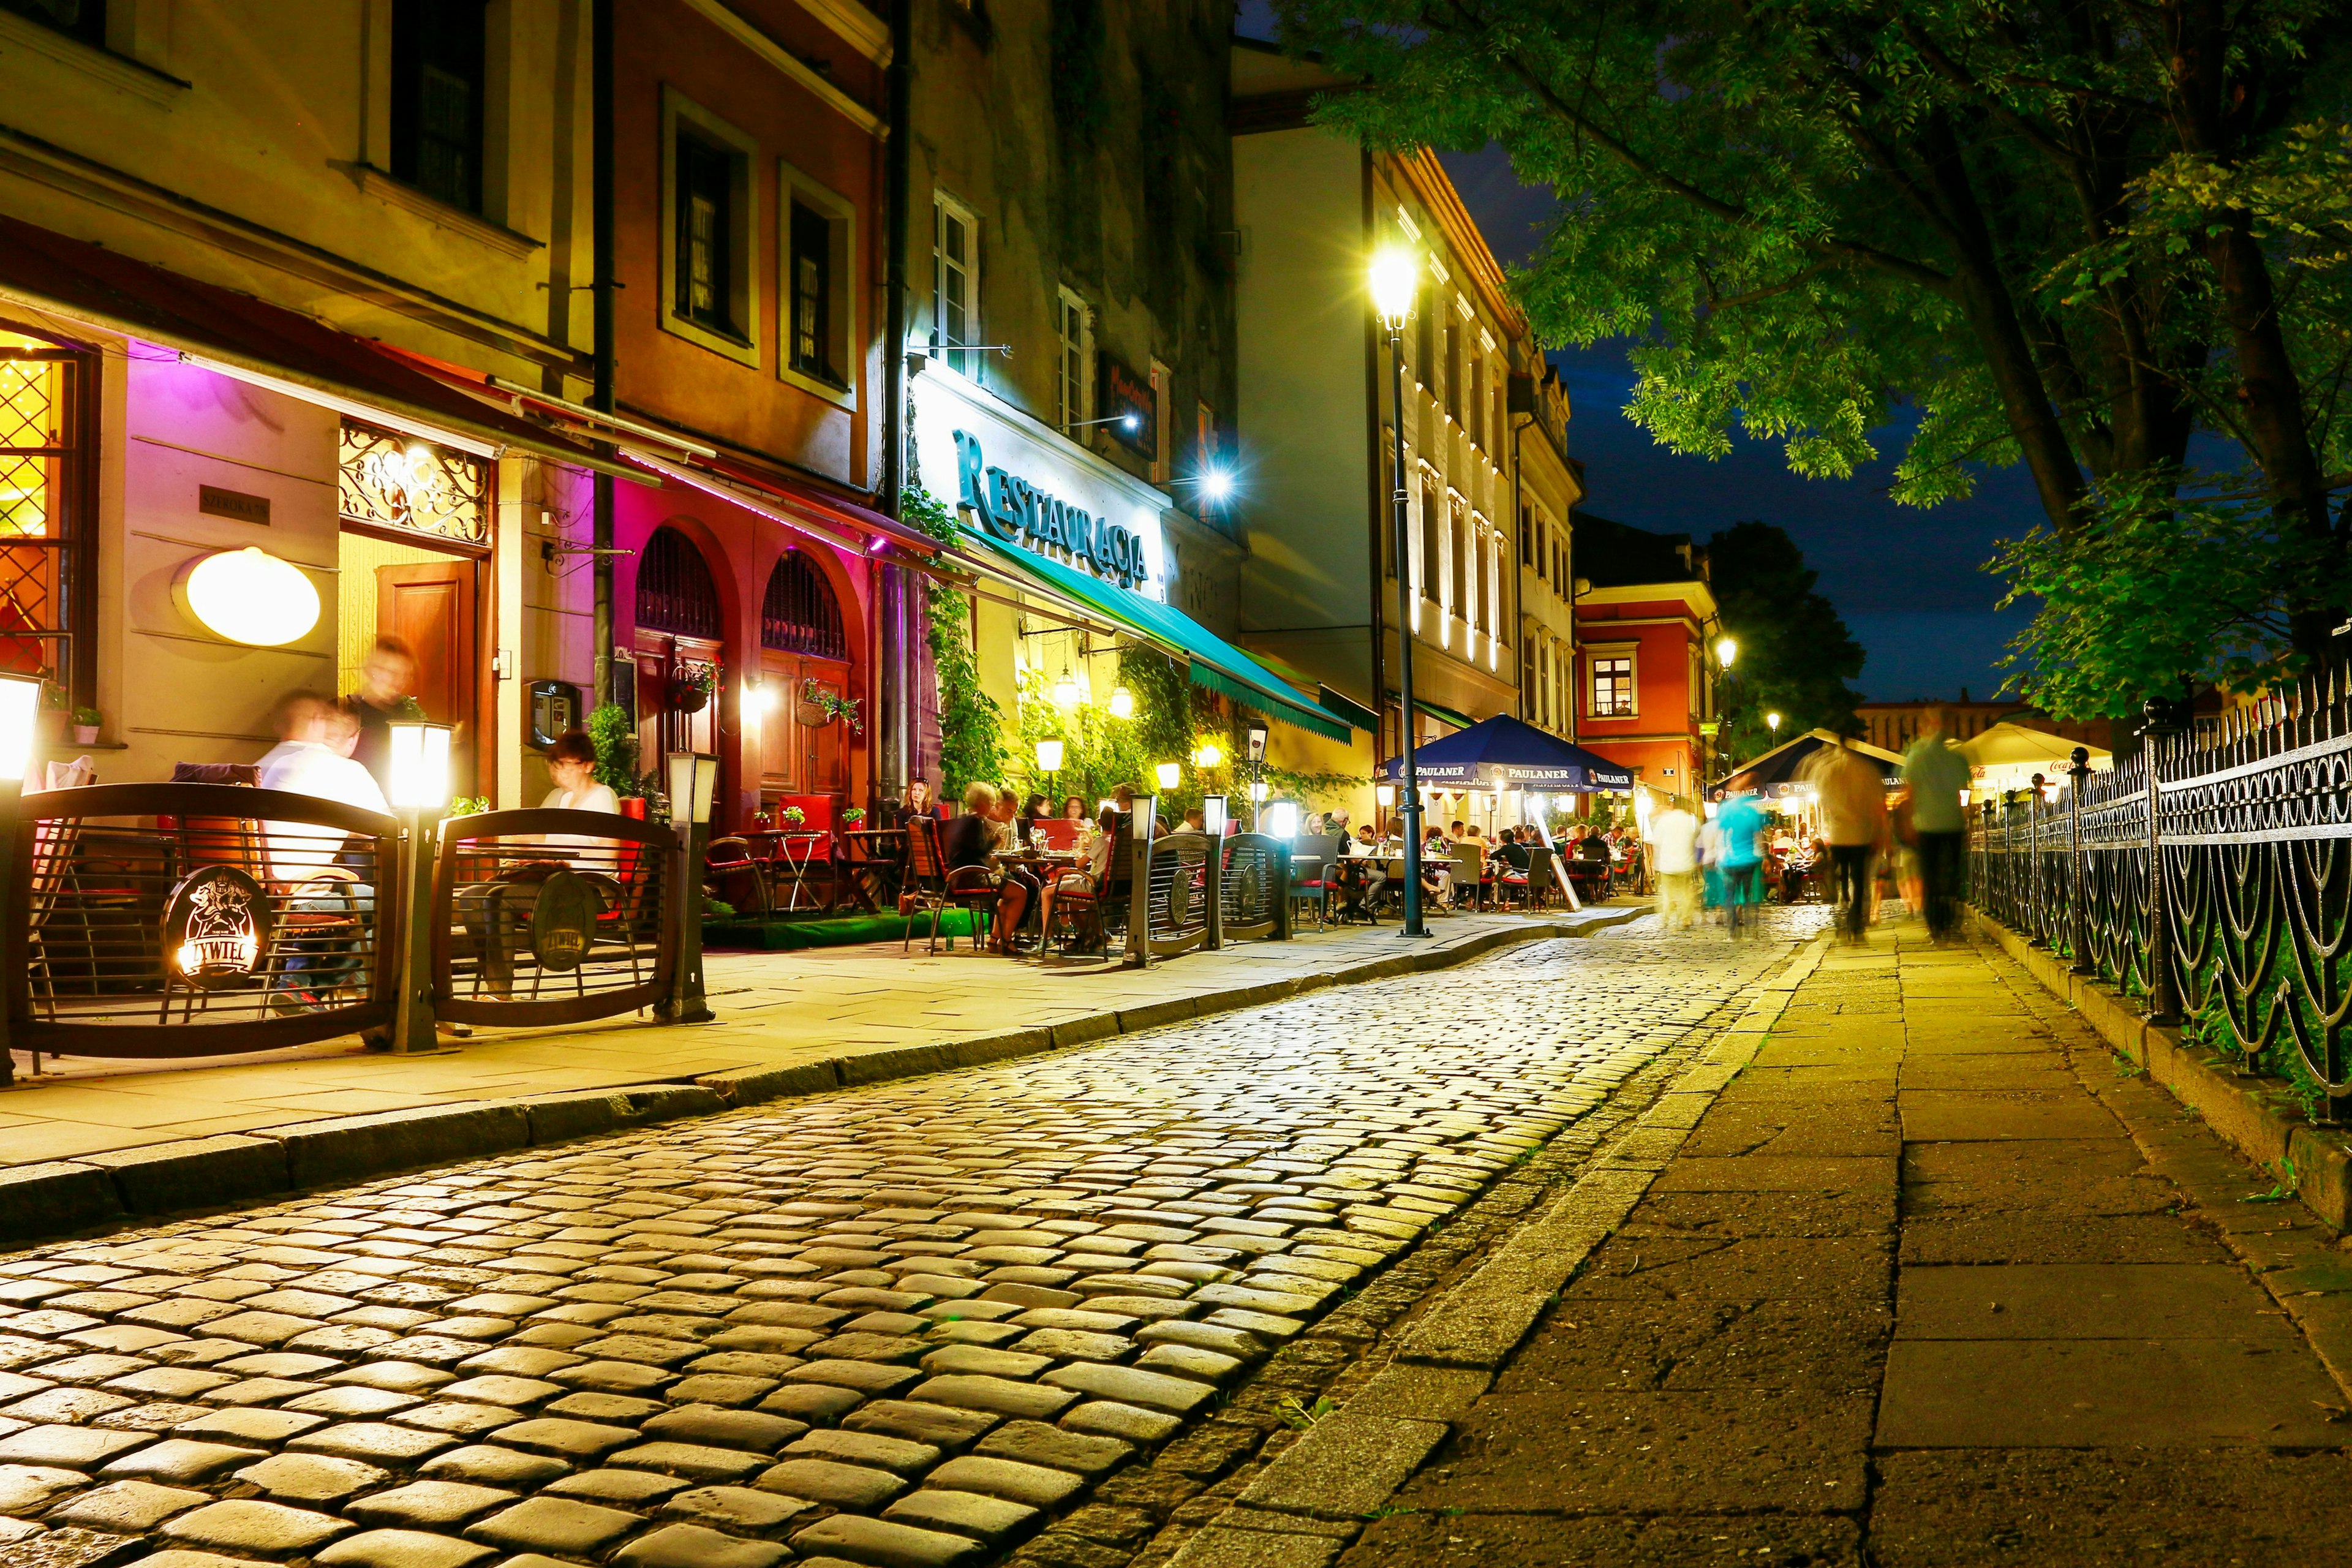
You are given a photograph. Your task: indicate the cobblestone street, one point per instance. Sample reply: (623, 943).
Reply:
(897, 1325)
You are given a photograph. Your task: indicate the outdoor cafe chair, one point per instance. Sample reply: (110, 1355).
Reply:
(1469, 876)
(1317, 888)
(925, 888)
(1072, 913)
(733, 871)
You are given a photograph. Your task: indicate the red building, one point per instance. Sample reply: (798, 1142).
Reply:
(1645, 620)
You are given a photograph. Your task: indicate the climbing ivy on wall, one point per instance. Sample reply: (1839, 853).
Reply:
(971, 723)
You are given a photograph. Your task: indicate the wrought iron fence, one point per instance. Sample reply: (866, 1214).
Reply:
(2211, 874)
(185, 919)
(551, 916)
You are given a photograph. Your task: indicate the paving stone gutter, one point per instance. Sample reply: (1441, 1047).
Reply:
(1424, 1359)
(63, 1197)
(2259, 1115)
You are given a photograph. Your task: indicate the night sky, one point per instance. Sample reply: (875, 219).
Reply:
(1908, 581)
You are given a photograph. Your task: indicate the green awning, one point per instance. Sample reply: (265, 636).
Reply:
(1443, 715)
(1215, 664)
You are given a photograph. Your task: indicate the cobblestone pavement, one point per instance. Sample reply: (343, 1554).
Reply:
(897, 1325)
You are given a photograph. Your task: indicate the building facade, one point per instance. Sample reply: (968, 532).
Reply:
(1895, 725)
(1645, 624)
(1550, 484)
(1322, 589)
(321, 285)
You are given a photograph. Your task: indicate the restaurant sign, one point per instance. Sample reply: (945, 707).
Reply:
(1015, 510)
(1129, 408)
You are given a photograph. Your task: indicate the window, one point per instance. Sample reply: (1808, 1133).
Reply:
(710, 229)
(1526, 539)
(1205, 445)
(1074, 331)
(83, 19)
(438, 79)
(1612, 686)
(1563, 659)
(1429, 550)
(820, 301)
(1162, 409)
(47, 595)
(1530, 682)
(1478, 403)
(1425, 347)
(811, 264)
(675, 590)
(955, 283)
(1453, 370)
(1458, 538)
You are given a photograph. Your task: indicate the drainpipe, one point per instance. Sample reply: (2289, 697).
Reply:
(601, 398)
(894, 662)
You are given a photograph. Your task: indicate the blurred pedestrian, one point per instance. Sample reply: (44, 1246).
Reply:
(1742, 825)
(1674, 855)
(386, 693)
(1853, 800)
(1939, 777)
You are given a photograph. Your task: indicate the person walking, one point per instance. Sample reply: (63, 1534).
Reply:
(1743, 825)
(1674, 855)
(1853, 802)
(1939, 777)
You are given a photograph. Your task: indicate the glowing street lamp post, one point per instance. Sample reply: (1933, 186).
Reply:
(693, 780)
(418, 778)
(20, 711)
(1257, 772)
(1396, 277)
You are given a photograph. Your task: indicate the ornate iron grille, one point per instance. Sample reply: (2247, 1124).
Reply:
(389, 480)
(551, 916)
(798, 612)
(175, 920)
(1177, 897)
(2248, 928)
(675, 591)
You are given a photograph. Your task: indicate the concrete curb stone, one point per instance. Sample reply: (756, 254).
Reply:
(56, 1198)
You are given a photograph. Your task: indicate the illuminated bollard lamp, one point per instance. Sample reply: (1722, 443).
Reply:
(418, 789)
(693, 781)
(20, 710)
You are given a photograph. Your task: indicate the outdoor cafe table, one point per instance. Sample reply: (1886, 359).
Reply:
(790, 854)
(867, 869)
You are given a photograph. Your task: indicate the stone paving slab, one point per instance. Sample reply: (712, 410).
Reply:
(900, 1322)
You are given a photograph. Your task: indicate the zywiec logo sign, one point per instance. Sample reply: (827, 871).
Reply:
(1010, 507)
(563, 920)
(216, 927)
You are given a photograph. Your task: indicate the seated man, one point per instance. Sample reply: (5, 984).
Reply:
(1513, 856)
(497, 914)
(313, 757)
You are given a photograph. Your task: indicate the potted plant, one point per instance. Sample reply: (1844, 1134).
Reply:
(854, 818)
(761, 821)
(793, 816)
(56, 707)
(86, 722)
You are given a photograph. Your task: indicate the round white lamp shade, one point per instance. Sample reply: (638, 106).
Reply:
(250, 596)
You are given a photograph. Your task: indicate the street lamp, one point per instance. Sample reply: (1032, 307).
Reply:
(1726, 651)
(1122, 703)
(1212, 814)
(1282, 819)
(1255, 736)
(1049, 757)
(418, 788)
(693, 781)
(1395, 279)
(1772, 722)
(1207, 755)
(1170, 774)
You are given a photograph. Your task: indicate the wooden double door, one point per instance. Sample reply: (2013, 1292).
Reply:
(797, 758)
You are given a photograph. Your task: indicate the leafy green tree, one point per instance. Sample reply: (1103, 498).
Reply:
(1795, 652)
(2069, 236)
(971, 723)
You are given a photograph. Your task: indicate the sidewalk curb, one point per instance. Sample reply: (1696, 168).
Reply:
(64, 1197)
(2244, 1110)
(1301, 1508)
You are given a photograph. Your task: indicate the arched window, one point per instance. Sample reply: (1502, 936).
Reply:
(675, 593)
(800, 613)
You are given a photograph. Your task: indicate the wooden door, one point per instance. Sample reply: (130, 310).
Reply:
(661, 730)
(780, 772)
(430, 606)
(825, 750)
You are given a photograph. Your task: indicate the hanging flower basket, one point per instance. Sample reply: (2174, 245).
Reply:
(815, 715)
(691, 686)
(818, 706)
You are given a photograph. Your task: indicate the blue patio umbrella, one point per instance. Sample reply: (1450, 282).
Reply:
(1504, 753)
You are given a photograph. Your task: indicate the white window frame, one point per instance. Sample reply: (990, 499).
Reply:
(1073, 388)
(944, 208)
(679, 110)
(1596, 656)
(841, 326)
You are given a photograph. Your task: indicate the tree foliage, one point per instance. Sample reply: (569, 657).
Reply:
(1795, 652)
(2069, 236)
(971, 723)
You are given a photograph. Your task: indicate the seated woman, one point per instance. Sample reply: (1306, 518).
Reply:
(983, 831)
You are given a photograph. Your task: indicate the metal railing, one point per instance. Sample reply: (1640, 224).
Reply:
(1181, 897)
(2211, 875)
(1252, 895)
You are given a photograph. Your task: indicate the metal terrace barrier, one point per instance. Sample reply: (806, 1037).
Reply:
(552, 916)
(186, 920)
(1252, 896)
